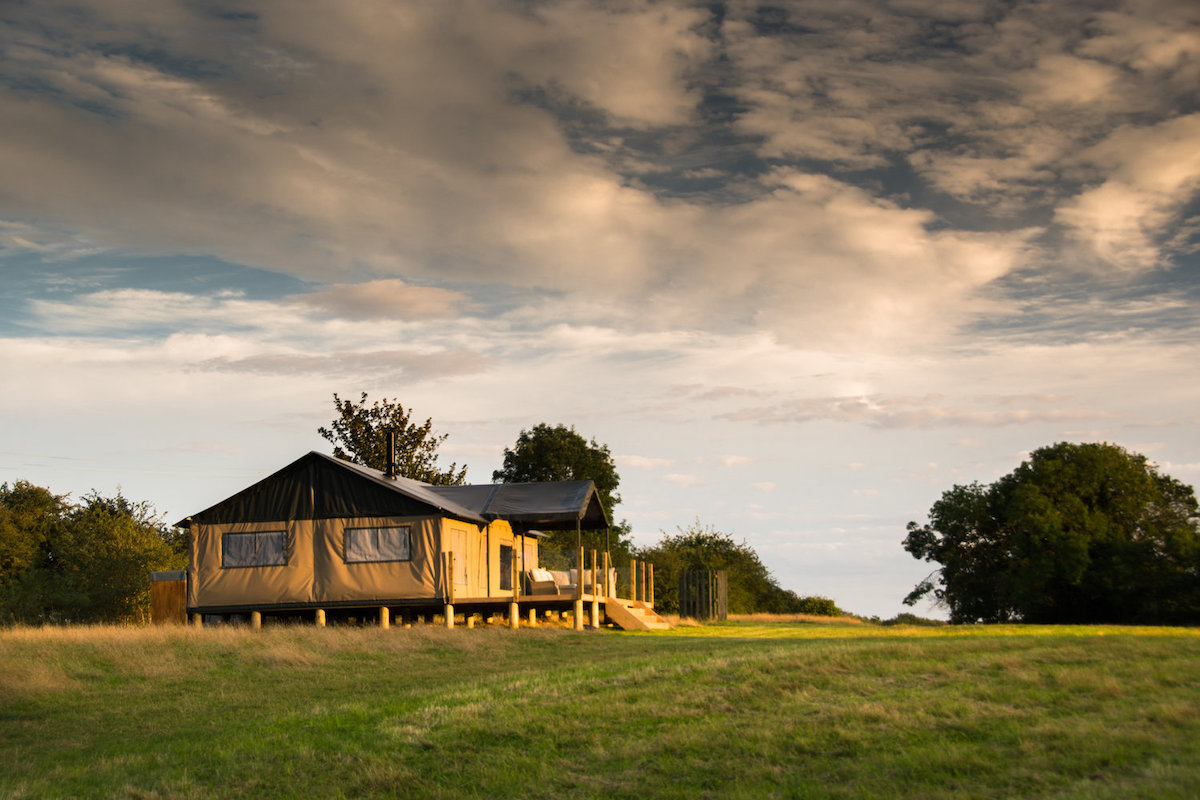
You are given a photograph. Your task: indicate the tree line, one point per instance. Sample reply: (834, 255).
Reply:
(85, 562)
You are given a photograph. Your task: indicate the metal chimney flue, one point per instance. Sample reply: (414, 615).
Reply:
(391, 453)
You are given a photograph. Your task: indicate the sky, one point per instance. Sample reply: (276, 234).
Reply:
(801, 266)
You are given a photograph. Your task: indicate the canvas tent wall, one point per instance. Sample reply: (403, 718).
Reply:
(322, 532)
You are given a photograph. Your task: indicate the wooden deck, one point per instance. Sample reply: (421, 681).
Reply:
(587, 609)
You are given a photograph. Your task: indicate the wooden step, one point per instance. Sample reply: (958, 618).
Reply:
(634, 616)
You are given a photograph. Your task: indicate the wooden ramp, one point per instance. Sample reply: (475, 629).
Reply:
(631, 615)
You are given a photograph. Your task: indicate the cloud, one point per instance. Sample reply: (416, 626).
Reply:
(409, 365)
(385, 299)
(437, 149)
(1151, 173)
(644, 463)
(901, 413)
(734, 461)
(683, 479)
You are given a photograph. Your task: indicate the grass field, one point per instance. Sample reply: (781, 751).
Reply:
(758, 707)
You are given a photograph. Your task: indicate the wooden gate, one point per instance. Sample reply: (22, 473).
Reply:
(704, 594)
(168, 597)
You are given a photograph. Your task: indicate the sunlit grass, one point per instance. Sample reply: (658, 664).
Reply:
(754, 707)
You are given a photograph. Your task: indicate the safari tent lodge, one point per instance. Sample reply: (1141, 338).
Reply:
(323, 535)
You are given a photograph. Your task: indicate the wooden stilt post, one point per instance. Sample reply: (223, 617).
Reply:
(255, 619)
(470, 620)
(319, 618)
(579, 589)
(650, 567)
(450, 589)
(198, 620)
(533, 617)
(607, 584)
(595, 594)
(385, 617)
(633, 582)
(514, 608)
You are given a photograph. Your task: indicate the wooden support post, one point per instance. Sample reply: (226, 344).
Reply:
(607, 584)
(385, 617)
(514, 615)
(650, 567)
(449, 615)
(255, 619)
(533, 617)
(579, 589)
(514, 579)
(633, 579)
(470, 621)
(319, 617)
(198, 620)
(450, 577)
(595, 595)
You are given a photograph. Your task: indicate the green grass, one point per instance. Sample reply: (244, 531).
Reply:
(750, 708)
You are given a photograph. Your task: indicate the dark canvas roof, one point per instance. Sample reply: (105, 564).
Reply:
(545, 506)
(320, 486)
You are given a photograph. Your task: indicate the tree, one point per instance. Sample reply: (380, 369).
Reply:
(109, 548)
(358, 435)
(545, 453)
(79, 563)
(29, 518)
(557, 453)
(1077, 533)
(751, 587)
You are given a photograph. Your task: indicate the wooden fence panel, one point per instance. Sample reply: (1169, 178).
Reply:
(704, 594)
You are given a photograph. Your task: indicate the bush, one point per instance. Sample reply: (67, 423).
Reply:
(818, 607)
(752, 588)
(91, 562)
(912, 619)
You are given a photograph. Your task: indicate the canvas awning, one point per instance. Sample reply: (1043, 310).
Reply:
(555, 506)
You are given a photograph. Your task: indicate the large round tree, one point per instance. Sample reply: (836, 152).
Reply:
(558, 453)
(1077, 533)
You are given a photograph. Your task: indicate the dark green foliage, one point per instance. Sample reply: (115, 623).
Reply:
(818, 606)
(358, 435)
(79, 563)
(544, 453)
(1078, 533)
(912, 619)
(557, 453)
(751, 587)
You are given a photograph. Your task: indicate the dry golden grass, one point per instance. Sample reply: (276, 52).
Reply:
(796, 618)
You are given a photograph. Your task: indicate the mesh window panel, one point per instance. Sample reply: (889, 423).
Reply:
(365, 545)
